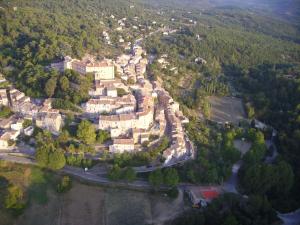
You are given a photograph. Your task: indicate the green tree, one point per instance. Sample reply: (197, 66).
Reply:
(5, 112)
(71, 149)
(57, 159)
(64, 83)
(27, 123)
(14, 198)
(129, 174)
(115, 173)
(86, 132)
(130, 81)
(156, 178)
(258, 179)
(171, 177)
(42, 156)
(230, 220)
(284, 178)
(47, 154)
(64, 185)
(250, 110)
(121, 92)
(63, 137)
(102, 136)
(50, 87)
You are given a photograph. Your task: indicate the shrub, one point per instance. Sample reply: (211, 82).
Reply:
(64, 185)
(14, 199)
(64, 104)
(121, 92)
(129, 174)
(5, 112)
(114, 173)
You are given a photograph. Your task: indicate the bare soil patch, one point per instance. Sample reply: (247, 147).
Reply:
(242, 146)
(227, 109)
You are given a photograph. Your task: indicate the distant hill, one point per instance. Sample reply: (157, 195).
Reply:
(285, 8)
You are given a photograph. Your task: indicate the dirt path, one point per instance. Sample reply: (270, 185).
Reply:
(162, 211)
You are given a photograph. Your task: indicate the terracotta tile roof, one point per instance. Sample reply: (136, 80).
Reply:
(120, 141)
(210, 194)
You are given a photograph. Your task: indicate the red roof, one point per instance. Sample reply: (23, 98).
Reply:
(210, 194)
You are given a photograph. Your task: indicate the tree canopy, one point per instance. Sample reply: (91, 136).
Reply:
(156, 178)
(86, 132)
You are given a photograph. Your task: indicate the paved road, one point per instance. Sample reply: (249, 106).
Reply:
(93, 176)
(270, 159)
(102, 179)
(17, 159)
(231, 184)
(292, 218)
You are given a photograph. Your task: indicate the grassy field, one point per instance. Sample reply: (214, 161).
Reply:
(84, 204)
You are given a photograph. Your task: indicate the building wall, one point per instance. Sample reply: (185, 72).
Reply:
(78, 67)
(53, 124)
(50, 123)
(122, 125)
(99, 108)
(112, 93)
(144, 121)
(120, 148)
(97, 92)
(125, 109)
(3, 143)
(103, 73)
(140, 122)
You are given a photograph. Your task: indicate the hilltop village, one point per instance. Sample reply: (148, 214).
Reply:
(122, 102)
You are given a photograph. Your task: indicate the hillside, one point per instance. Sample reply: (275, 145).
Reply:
(35, 33)
(245, 53)
(289, 9)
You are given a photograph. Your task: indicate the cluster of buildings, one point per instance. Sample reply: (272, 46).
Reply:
(110, 104)
(124, 107)
(10, 129)
(175, 120)
(102, 69)
(129, 107)
(42, 115)
(133, 116)
(130, 118)
(124, 123)
(132, 68)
